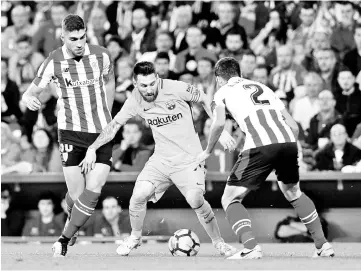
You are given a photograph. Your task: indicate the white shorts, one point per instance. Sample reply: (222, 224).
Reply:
(163, 176)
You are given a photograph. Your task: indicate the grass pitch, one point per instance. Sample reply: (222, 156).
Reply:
(155, 256)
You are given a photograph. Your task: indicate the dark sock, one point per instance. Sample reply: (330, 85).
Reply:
(306, 211)
(240, 222)
(63, 239)
(84, 207)
(69, 204)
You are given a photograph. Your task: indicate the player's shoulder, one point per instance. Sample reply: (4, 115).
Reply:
(169, 86)
(96, 49)
(56, 55)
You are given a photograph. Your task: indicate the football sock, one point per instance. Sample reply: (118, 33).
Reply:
(137, 211)
(240, 222)
(84, 207)
(209, 222)
(306, 211)
(69, 204)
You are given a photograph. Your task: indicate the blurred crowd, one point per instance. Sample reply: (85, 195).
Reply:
(308, 52)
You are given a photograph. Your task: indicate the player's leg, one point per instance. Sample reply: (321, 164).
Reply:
(75, 183)
(85, 205)
(74, 179)
(191, 183)
(150, 186)
(288, 181)
(250, 171)
(137, 210)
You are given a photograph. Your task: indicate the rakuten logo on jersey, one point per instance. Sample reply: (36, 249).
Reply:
(77, 83)
(164, 121)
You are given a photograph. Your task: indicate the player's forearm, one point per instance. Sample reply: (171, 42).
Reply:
(32, 90)
(207, 108)
(110, 87)
(215, 133)
(106, 135)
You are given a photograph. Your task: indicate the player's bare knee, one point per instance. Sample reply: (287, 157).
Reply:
(227, 200)
(195, 198)
(95, 184)
(75, 193)
(291, 191)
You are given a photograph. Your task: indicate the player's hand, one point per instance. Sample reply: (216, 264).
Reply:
(32, 102)
(227, 141)
(88, 162)
(203, 156)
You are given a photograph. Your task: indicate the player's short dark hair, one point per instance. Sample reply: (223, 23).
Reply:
(143, 68)
(24, 38)
(227, 68)
(73, 22)
(162, 55)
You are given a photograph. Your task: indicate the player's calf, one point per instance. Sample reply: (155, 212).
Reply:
(306, 211)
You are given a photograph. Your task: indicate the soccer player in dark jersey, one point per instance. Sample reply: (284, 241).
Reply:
(83, 75)
(270, 143)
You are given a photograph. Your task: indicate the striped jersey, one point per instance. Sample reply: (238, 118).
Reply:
(170, 117)
(257, 110)
(81, 88)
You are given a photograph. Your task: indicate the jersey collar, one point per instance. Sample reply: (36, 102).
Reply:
(234, 79)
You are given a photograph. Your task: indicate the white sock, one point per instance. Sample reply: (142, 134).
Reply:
(209, 222)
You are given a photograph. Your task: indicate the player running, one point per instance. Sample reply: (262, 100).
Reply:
(165, 106)
(85, 84)
(270, 143)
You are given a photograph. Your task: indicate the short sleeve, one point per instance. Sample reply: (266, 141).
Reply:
(218, 99)
(128, 111)
(45, 73)
(188, 92)
(107, 64)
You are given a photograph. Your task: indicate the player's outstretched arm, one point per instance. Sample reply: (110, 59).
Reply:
(30, 97)
(216, 130)
(105, 136)
(226, 140)
(110, 86)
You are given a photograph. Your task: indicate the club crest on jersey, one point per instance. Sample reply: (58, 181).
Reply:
(170, 105)
(64, 150)
(66, 69)
(94, 65)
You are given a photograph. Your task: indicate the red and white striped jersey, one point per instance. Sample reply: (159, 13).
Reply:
(257, 110)
(80, 87)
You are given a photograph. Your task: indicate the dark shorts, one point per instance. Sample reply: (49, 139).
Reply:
(254, 165)
(73, 146)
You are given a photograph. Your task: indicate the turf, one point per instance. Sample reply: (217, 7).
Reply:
(155, 256)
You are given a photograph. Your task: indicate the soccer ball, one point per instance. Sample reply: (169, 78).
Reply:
(184, 243)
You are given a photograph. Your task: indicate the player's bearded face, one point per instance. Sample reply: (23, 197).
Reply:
(147, 86)
(75, 42)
